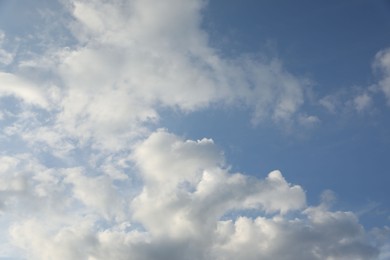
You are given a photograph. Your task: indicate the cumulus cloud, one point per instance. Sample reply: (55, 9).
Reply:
(27, 184)
(189, 196)
(95, 182)
(130, 58)
(190, 206)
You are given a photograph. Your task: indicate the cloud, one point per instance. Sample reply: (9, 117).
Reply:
(6, 57)
(278, 239)
(362, 99)
(351, 100)
(26, 184)
(165, 55)
(15, 86)
(131, 58)
(189, 196)
(94, 181)
(189, 206)
(362, 102)
(382, 63)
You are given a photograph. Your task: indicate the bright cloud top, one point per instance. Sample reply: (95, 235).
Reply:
(84, 176)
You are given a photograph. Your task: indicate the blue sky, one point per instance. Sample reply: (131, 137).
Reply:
(189, 129)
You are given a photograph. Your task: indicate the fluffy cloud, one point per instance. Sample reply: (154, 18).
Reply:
(130, 58)
(93, 181)
(187, 197)
(27, 185)
(190, 206)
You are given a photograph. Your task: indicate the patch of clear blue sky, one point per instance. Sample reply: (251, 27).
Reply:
(333, 43)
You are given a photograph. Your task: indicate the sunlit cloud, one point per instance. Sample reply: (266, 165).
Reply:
(86, 175)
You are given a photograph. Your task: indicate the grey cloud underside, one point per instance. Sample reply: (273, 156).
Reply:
(118, 190)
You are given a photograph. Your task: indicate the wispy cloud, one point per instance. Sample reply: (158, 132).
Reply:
(382, 63)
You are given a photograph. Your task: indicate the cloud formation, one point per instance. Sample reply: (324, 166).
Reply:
(361, 99)
(190, 206)
(130, 58)
(86, 177)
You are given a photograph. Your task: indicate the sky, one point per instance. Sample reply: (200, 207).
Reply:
(193, 129)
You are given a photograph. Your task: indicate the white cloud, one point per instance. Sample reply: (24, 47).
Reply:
(201, 180)
(360, 99)
(330, 102)
(12, 85)
(96, 193)
(351, 100)
(189, 196)
(190, 207)
(308, 120)
(26, 184)
(382, 63)
(335, 236)
(117, 193)
(362, 102)
(73, 242)
(132, 57)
